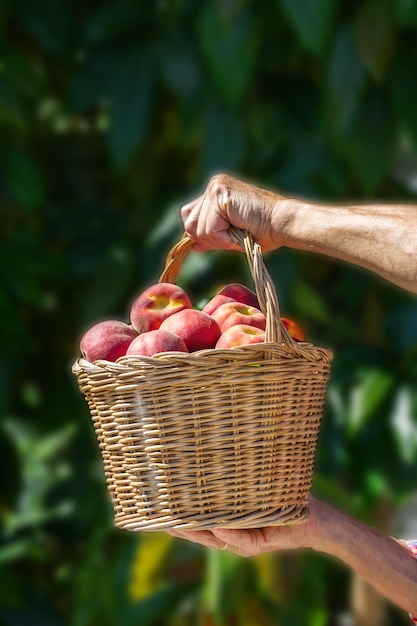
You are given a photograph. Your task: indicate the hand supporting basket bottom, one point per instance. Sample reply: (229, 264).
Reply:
(212, 438)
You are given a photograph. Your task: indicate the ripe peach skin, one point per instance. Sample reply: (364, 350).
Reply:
(240, 293)
(198, 330)
(215, 302)
(240, 335)
(107, 340)
(155, 304)
(294, 330)
(232, 313)
(155, 341)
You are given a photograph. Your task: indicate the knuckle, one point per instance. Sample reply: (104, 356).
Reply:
(218, 183)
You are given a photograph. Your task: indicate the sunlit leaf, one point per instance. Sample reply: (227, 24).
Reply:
(369, 397)
(375, 484)
(270, 575)
(148, 573)
(404, 425)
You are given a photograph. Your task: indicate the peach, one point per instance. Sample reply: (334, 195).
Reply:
(107, 340)
(215, 302)
(232, 313)
(155, 304)
(294, 330)
(155, 341)
(240, 335)
(240, 293)
(198, 330)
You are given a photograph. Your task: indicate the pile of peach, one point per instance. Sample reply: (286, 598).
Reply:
(163, 319)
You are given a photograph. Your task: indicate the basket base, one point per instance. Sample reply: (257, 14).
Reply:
(260, 519)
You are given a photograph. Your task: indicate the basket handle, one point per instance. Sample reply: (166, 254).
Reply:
(275, 331)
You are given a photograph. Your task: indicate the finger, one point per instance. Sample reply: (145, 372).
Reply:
(243, 542)
(191, 215)
(212, 227)
(233, 540)
(202, 537)
(188, 208)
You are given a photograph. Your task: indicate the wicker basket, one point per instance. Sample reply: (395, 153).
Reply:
(211, 438)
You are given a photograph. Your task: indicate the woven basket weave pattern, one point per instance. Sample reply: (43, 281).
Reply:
(213, 438)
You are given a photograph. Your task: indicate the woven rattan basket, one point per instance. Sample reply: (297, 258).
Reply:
(211, 438)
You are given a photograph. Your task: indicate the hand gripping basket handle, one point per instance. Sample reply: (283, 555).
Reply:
(275, 331)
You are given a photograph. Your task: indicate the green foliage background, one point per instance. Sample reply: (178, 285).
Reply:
(112, 115)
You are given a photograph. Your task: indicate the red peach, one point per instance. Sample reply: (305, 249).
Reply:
(155, 341)
(198, 330)
(155, 304)
(215, 302)
(240, 293)
(232, 313)
(107, 340)
(294, 330)
(240, 335)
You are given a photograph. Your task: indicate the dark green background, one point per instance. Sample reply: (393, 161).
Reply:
(113, 114)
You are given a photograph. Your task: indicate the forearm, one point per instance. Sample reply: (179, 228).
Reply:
(382, 239)
(379, 559)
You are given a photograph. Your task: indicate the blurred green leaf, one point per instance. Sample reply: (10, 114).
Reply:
(41, 469)
(406, 12)
(13, 110)
(10, 468)
(228, 43)
(346, 80)
(310, 304)
(132, 97)
(113, 272)
(224, 143)
(369, 141)
(403, 88)
(6, 12)
(181, 68)
(52, 25)
(375, 37)
(312, 20)
(25, 74)
(23, 179)
(375, 484)
(111, 21)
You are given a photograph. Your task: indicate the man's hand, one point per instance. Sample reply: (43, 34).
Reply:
(228, 201)
(255, 541)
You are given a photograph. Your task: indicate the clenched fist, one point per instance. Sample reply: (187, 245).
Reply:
(230, 202)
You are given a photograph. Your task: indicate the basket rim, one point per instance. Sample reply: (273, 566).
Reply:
(302, 350)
